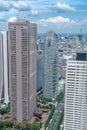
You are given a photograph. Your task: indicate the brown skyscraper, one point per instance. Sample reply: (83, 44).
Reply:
(22, 37)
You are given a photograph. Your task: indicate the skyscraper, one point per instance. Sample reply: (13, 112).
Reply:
(1, 68)
(75, 117)
(22, 36)
(39, 70)
(4, 95)
(50, 87)
(5, 65)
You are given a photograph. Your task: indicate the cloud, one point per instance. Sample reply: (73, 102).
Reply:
(84, 21)
(21, 5)
(58, 19)
(12, 12)
(2, 19)
(63, 7)
(4, 5)
(58, 24)
(34, 13)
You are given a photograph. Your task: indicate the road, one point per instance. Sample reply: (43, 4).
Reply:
(59, 108)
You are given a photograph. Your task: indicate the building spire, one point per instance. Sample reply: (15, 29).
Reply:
(17, 16)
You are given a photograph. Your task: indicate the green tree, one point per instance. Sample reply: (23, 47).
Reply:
(6, 124)
(11, 129)
(9, 123)
(35, 126)
(60, 97)
(3, 111)
(23, 126)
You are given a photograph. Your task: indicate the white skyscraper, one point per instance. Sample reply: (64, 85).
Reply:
(4, 67)
(1, 68)
(75, 117)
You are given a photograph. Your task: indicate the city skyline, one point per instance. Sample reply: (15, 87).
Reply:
(58, 15)
(55, 63)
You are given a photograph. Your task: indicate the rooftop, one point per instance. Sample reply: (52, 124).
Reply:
(81, 56)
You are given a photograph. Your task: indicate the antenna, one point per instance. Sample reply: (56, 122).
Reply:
(80, 30)
(17, 16)
(24, 18)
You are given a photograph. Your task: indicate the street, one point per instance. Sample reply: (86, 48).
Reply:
(59, 108)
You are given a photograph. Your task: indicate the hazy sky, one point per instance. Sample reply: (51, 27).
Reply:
(62, 16)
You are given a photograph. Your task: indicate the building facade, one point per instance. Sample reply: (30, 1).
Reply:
(4, 90)
(22, 37)
(5, 65)
(39, 70)
(1, 68)
(75, 117)
(50, 82)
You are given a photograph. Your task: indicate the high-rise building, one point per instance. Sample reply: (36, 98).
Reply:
(75, 117)
(22, 37)
(1, 68)
(50, 82)
(39, 70)
(4, 95)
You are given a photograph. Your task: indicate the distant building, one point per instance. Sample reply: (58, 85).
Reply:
(4, 94)
(39, 70)
(50, 88)
(22, 36)
(40, 60)
(75, 117)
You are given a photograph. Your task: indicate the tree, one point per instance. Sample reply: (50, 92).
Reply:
(35, 126)
(23, 126)
(6, 124)
(3, 111)
(13, 125)
(11, 129)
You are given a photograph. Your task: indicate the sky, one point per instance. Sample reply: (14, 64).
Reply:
(61, 16)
